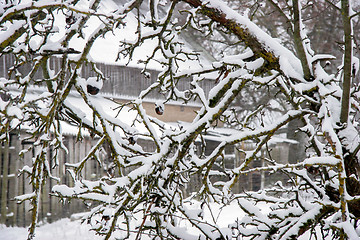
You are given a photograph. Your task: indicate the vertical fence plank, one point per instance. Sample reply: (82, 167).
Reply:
(45, 195)
(70, 159)
(13, 180)
(1, 179)
(4, 182)
(63, 209)
(15, 166)
(28, 156)
(20, 219)
(52, 200)
(85, 148)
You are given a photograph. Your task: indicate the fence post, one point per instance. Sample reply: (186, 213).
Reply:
(4, 180)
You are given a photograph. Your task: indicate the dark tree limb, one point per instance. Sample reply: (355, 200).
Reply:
(250, 40)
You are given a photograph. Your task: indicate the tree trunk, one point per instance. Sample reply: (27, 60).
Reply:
(298, 41)
(347, 61)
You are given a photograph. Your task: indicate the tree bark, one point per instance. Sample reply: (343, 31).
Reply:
(244, 35)
(345, 102)
(298, 41)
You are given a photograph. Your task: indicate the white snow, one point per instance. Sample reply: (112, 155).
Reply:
(63, 229)
(71, 228)
(66, 229)
(95, 82)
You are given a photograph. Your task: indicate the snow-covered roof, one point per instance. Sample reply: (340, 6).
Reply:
(105, 48)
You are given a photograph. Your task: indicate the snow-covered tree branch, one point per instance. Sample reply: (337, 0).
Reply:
(142, 193)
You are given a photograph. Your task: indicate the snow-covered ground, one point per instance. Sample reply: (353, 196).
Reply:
(63, 229)
(67, 228)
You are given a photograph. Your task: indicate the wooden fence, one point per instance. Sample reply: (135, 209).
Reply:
(13, 184)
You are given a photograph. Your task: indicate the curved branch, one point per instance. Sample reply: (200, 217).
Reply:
(262, 45)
